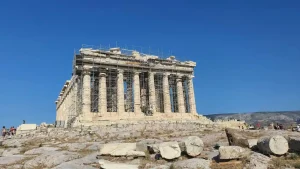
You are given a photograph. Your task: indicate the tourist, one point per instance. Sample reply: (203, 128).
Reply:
(3, 132)
(280, 126)
(12, 130)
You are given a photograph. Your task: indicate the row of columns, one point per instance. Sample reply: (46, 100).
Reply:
(137, 102)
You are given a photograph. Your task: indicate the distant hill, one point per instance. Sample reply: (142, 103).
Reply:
(265, 118)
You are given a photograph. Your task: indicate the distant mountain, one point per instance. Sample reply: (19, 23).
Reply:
(264, 118)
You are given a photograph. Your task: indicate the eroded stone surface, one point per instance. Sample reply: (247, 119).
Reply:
(194, 163)
(50, 159)
(74, 146)
(232, 152)
(258, 161)
(40, 150)
(193, 145)
(277, 145)
(11, 151)
(135, 153)
(117, 149)
(80, 163)
(111, 165)
(169, 150)
(8, 160)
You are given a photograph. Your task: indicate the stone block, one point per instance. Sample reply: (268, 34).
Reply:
(232, 152)
(111, 165)
(24, 127)
(117, 149)
(169, 150)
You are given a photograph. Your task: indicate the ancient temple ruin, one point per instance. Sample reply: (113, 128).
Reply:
(116, 84)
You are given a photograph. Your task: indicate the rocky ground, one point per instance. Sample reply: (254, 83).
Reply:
(136, 146)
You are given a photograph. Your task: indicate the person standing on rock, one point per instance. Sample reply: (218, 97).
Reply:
(3, 132)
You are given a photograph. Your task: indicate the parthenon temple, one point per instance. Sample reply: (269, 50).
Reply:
(117, 84)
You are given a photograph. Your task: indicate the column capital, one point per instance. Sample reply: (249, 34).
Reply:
(86, 72)
(166, 74)
(120, 71)
(136, 72)
(102, 74)
(152, 73)
(178, 78)
(190, 77)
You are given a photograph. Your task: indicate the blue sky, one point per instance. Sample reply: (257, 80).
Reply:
(247, 52)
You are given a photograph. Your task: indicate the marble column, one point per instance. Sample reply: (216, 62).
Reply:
(152, 101)
(166, 93)
(191, 94)
(86, 95)
(180, 98)
(75, 97)
(120, 90)
(102, 102)
(137, 95)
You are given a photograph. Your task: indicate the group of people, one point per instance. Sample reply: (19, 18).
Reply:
(278, 126)
(8, 132)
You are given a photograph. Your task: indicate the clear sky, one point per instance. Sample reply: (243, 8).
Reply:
(247, 52)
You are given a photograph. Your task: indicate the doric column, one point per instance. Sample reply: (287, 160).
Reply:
(152, 102)
(166, 92)
(86, 94)
(137, 95)
(120, 89)
(102, 103)
(75, 97)
(180, 98)
(192, 102)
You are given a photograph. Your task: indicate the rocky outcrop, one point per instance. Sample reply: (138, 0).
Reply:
(194, 163)
(258, 161)
(169, 150)
(11, 151)
(232, 152)
(40, 150)
(8, 160)
(276, 145)
(50, 159)
(80, 163)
